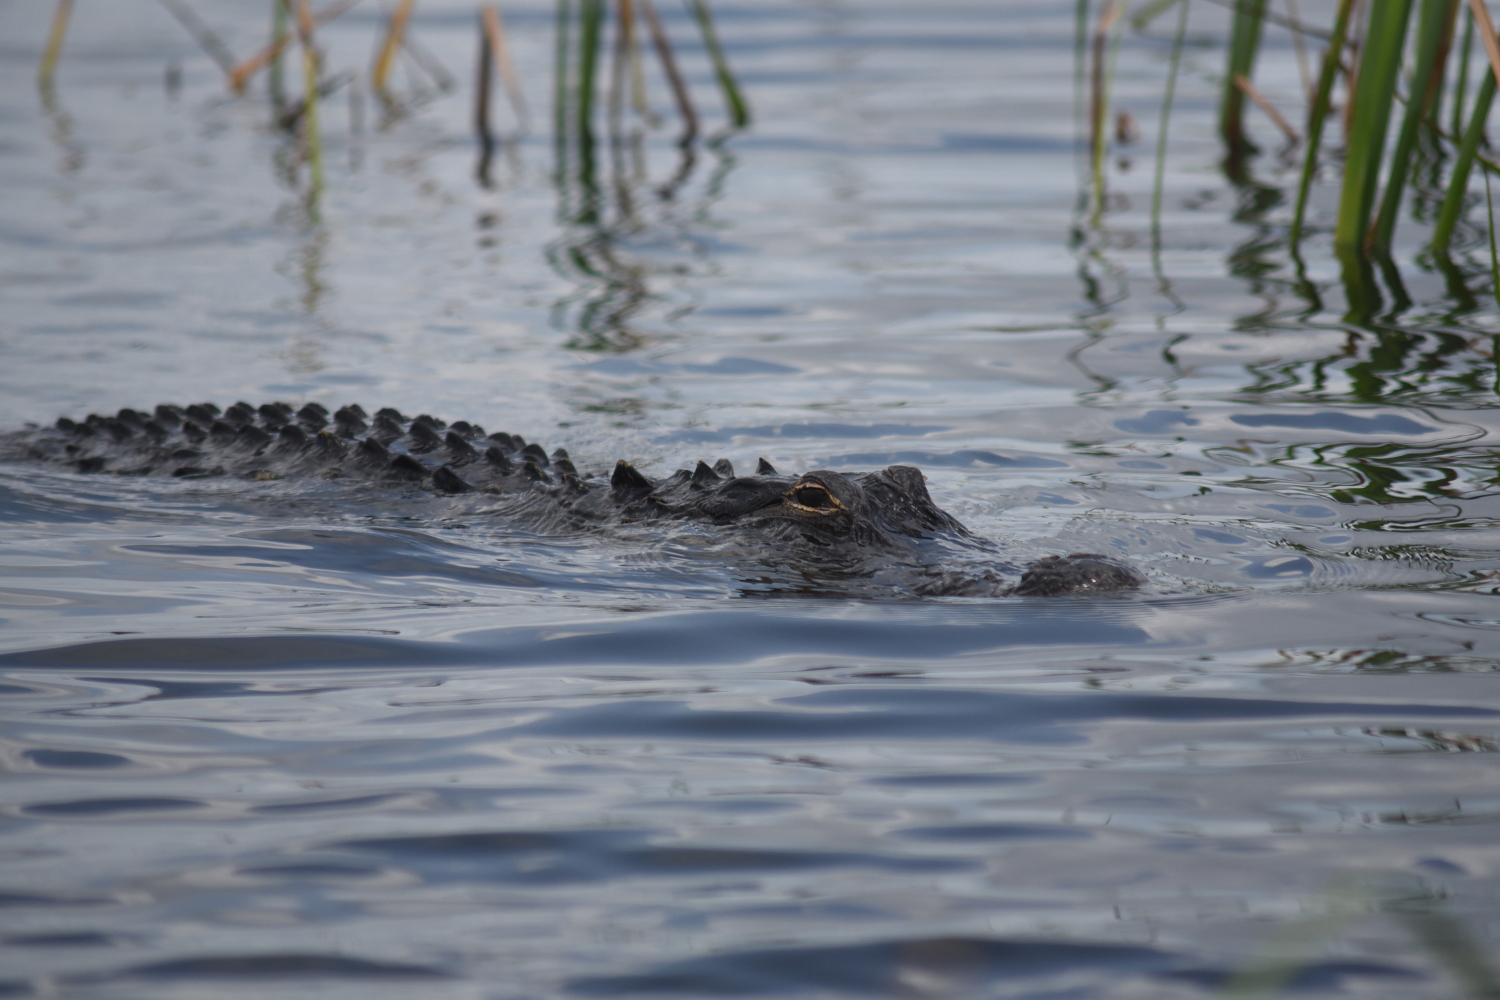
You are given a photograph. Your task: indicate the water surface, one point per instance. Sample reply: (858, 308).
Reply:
(289, 739)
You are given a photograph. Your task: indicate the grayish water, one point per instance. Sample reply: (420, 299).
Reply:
(283, 740)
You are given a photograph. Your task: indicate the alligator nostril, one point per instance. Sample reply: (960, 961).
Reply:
(812, 496)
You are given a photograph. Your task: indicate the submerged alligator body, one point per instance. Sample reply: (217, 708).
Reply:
(821, 526)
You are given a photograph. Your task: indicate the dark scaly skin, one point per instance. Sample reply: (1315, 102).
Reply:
(833, 525)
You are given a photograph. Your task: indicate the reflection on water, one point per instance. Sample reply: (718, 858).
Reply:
(286, 738)
(620, 226)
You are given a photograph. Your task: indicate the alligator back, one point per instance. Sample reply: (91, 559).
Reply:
(822, 525)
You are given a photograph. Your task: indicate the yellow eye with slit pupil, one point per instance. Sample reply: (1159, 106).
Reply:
(812, 496)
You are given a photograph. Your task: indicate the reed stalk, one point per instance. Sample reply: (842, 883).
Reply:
(483, 85)
(386, 60)
(280, 26)
(1317, 116)
(1489, 205)
(1261, 101)
(590, 33)
(1435, 22)
(202, 34)
(675, 81)
(1299, 42)
(560, 89)
(1374, 90)
(50, 55)
(739, 111)
(1109, 15)
(1463, 164)
(429, 63)
(310, 132)
(620, 67)
(494, 32)
(619, 82)
(1351, 68)
(241, 74)
(1244, 44)
(1158, 177)
(638, 99)
(1461, 85)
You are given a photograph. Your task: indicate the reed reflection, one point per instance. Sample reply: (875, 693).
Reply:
(621, 227)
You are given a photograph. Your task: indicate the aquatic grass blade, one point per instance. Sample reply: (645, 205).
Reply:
(590, 34)
(1317, 117)
(1461, 85)
(739, 111)
(1463, 163)
(1435, 22)
(1374, 90)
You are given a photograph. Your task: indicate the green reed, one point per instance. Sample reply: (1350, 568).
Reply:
(1322, 102)
(739, 111)
(1435, 23)
(1244, 43)
(600, 196)
(1374, 92)
(1378, 55)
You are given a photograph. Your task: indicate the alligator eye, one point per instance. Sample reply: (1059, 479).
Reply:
(815, 497)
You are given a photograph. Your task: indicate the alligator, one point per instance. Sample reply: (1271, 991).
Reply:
(824, 525)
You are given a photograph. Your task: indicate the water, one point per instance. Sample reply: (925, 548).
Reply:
(290, 739)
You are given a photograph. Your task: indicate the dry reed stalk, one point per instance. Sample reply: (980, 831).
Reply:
(380, 75)
(202, 34)
(1487, 34)
(60, 15)
(494, 31)
(1252, 92)
(619, 67)
(674, 77)
(1300, 43)
(239, 78)
(429, 63)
